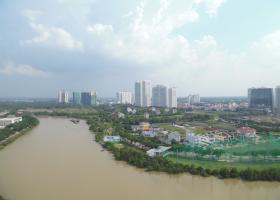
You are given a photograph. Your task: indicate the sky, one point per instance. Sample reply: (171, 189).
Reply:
(206, 47)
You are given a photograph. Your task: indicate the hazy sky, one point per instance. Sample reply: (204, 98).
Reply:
(211, 47)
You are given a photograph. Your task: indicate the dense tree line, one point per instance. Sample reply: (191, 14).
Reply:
(27, 122)
(139, 159)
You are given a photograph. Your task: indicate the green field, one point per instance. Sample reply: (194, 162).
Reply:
(217, 165)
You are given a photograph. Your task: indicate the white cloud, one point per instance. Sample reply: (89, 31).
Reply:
(100, 29)
(50, 36)
(213, 6)
(150, 38)
(22, 70)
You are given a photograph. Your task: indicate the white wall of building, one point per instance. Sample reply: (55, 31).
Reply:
(124, 97)
(172, 98)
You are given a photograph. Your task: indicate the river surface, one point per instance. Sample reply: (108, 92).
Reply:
(59, 160)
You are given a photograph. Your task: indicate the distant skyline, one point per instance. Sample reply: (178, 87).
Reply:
(206, 47)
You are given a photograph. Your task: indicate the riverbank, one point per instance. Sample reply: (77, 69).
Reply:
(103, 122)
(16, 130)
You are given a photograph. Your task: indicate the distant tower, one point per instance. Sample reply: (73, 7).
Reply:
(277, 99)
(172, 98)
(77, 98)
(124, 97)
(63, 96)
(89, 98)
(143, 93)
(260, 97)
(194, 98)
(159, 96)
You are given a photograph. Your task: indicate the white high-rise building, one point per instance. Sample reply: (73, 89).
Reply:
(143, 93)
(194, 98)
(124, 97)
(172, 98)
(63, 96)
(277, 99)
(160, 96)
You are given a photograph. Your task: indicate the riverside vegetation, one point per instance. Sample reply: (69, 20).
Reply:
(104, 121)
(11, 132)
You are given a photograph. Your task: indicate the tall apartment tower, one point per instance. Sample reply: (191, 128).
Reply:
(124, 97)
(143, 93)
(160, 96)
(260, 97)
(88, 98)
(277, 99)
(172, 98)
(63, 96)
(194, 98)
(77, 98)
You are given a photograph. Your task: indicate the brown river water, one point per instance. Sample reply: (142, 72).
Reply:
(59, 160)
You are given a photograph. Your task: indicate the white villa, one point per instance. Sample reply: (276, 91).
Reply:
(9, 120)
(115, 138)
(157, 152)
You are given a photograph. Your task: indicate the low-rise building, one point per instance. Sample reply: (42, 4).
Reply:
(114, 138)
(246, 132)
(174, 136)
(145, 126)
(121, 115)
(200, 139)
(158, 151)
(149, 134)
(146, 115)
(9, 120)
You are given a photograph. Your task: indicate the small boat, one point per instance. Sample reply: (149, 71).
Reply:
(75, 121)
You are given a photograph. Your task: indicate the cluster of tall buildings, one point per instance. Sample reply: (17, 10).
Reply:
(63, 96)
(259, 98)
(78, 98)
(157, 96)
(194, 99)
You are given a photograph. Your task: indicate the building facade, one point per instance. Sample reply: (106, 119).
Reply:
(143, 93)
(159, 96)
(194, 98)
(124, 97)
(260, 98)
(9, 120)
(77, 98)
(172, 98)
(63, 96)
(88, 98)
(277, 100)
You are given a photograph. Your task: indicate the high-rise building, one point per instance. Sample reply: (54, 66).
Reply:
(277, 99)
(124, 97)
(260, 97)
(138, 101)
(172, 98)
(143, 93)
(88, 98)
(77, 98)
(159, 96)
(194, 98)
(63, 96)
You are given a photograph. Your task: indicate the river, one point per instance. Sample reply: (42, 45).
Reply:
(59, 160)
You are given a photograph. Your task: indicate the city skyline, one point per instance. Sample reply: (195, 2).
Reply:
(197, 46)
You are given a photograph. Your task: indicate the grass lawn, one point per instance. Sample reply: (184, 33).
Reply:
(118, 145)
(169, 127)
(217, 165)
